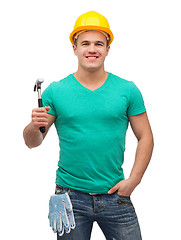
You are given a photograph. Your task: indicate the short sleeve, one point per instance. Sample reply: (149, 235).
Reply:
(47, 99)
(136, 103)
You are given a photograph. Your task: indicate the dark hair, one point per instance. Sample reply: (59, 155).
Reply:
(75, 42)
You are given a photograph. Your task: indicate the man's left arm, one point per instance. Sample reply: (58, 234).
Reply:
(142, 130)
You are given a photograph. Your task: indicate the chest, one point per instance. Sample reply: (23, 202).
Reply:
(78, 107)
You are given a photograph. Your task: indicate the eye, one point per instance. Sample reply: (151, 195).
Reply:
(84, 44)
(99, 44)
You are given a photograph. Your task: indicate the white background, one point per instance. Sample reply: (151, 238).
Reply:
(146, 50)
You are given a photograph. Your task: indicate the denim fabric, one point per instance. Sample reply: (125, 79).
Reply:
(114, 214)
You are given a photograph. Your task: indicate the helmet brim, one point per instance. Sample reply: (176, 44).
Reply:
(98, 28)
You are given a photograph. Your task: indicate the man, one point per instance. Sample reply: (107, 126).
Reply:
(91, 110)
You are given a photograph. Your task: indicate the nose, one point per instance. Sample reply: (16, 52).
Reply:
(92, 48)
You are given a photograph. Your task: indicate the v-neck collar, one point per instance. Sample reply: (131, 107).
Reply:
(89, 90)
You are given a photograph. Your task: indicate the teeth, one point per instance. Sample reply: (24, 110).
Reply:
(92, 57)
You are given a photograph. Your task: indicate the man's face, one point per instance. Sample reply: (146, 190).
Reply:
(91, 50)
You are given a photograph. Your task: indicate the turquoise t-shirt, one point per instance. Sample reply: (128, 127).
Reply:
(91, 127)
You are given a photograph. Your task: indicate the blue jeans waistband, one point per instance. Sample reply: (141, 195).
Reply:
(60, 190)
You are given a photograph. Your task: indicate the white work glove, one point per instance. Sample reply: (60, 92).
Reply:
(61, 213)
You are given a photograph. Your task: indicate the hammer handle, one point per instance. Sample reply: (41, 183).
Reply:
(40, 104)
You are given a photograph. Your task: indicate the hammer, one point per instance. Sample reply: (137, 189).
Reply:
(37, 87)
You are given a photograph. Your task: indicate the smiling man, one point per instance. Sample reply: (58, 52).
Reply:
(91, 110)
(91, 50)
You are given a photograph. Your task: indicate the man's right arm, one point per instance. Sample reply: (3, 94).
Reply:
(32, 135)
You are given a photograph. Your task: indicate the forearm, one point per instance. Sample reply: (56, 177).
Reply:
(142, 158)
(32, 136)
(143, 133)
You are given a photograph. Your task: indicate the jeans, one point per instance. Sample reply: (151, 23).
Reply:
(114, 214)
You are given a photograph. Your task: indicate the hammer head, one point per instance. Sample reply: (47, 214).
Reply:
(38, 83)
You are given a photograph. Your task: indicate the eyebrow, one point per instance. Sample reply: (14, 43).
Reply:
(86, 41)
(100, 42)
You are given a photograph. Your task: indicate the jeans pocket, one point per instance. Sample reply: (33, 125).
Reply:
(128, 197)
(125, 200)
(123, 195)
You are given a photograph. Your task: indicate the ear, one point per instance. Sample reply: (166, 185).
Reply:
(108, 48)
(74, 49)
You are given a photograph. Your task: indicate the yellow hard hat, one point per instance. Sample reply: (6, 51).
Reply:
(91, 21)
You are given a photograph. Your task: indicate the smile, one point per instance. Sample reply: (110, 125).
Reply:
(92, 57)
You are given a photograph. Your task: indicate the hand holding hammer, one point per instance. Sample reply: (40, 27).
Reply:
(40, 104)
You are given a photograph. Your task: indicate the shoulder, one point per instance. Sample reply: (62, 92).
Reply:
(61, 83)
(123, 83)
(119, 79)
(57, 87)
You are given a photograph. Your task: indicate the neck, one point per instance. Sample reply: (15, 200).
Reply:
(91, 77)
